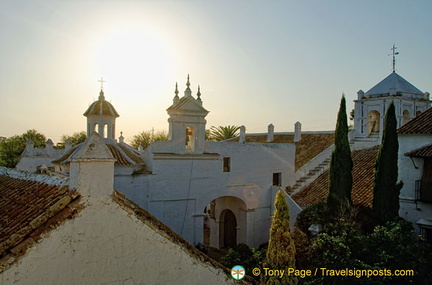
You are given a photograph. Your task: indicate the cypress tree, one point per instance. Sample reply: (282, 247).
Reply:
(281, 249)
(341, 164)
(386, 190)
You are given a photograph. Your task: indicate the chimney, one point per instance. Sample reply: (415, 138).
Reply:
(270, 133)
(29, 150)
(297, 132)
(67, 145)
(49, 147)
(92, 169)
(242, 134)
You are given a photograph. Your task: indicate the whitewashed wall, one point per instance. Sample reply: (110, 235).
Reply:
(181, 186)
(408, 173)
(106, 245)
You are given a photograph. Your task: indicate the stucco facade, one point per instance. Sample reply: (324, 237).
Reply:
(109, 241)
(415, 170)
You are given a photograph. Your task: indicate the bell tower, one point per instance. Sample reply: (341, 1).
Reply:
(187, 122)
(101, 116)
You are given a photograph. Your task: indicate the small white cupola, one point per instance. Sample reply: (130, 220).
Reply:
(187, 122)
(101, 116)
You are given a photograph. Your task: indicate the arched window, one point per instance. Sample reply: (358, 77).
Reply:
(105, 131)
(373, 122)
(96, 128)
(190, 139)
(405, 117)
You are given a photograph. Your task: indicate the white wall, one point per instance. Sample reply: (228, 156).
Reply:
(409, 172)
(181, 186)
(107, 245)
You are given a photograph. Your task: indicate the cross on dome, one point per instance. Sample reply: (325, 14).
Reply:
(102, 82)
(393, 49)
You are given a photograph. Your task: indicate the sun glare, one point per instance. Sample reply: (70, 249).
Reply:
(133, 59)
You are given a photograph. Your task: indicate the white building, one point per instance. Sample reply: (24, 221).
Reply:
(370, 108)
(217, 193)
(415, 170)
(81, 231)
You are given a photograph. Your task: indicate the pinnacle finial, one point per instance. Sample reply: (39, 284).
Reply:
(187, 92)
(176, 91)
(101, 96)
(199, 93)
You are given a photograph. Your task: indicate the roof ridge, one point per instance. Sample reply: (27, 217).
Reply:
(50, 180)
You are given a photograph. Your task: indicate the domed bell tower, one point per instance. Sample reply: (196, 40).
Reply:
(101, 116)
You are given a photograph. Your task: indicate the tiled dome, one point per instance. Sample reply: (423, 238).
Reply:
(101, 107)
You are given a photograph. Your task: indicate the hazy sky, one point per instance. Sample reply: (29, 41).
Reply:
(257, 62)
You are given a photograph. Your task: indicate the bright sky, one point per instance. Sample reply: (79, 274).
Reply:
(257, 62)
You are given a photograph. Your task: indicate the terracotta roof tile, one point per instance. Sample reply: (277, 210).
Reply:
(425, 151)
(119, 152)
(101, 107)
(310, 145)
(27, 205)
(363, 178)
(422, 124)
(131, 153)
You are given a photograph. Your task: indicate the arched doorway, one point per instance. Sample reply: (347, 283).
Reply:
(225, 222)
(229, 231)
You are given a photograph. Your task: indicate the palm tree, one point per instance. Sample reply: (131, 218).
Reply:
(222, 133)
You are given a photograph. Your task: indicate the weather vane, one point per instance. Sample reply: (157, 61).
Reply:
(102, 82)
(394, 48)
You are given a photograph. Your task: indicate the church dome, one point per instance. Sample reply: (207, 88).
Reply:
(396, 84)
(101, 107)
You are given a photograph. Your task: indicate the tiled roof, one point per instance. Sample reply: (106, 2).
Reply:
(425, 151)
(363, 177)
(395, 81)
(28, 209)
(420, 125)
(120, 153)
(101, 107)
(310, 145)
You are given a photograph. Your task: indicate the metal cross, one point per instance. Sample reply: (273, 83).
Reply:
(102, 82)
(394, 48)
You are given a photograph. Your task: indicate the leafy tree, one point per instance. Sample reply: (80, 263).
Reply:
(12, 147)
(281, 249)
(75, 138)
(341, 165)
(386, 189)
(144, 138)
(222, 133)
(245, 256)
